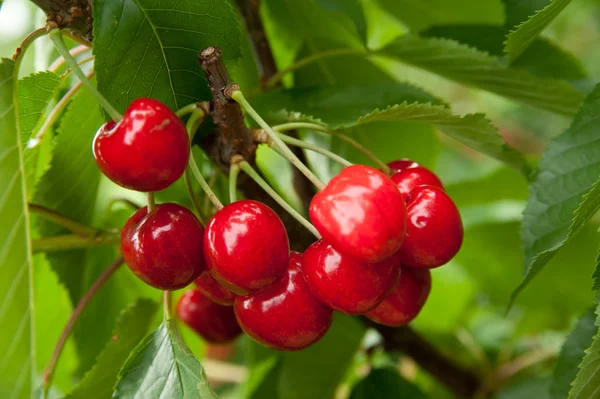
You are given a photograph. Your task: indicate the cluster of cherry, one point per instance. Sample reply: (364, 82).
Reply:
(381, 235)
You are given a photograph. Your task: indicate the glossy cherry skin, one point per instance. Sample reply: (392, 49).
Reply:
(361, 212)
(346, 284)
(213, 322)
(284, 315)
(434, 232)
(402, 164)
(405, 302)
(214, 291)
(246, 247)
(147, 150)
(411, 178)
(164, 248)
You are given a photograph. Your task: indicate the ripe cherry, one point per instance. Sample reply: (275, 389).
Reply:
(408, 179)
(361, 212)
(246, 247)
(164, 247)
(147, 150)
(402, 164)
(434, 232)
(213, 322)
(405, 302)
(285, 315)
(346, 284)
(214, 291)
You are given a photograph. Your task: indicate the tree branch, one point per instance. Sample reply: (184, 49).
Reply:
(73, 15)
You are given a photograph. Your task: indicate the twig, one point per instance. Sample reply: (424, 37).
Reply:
(62, 220)
(83, 302)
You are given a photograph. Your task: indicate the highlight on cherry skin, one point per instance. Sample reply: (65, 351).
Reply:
(345, 283)
(213, 290)
(163, 248)
(361, 213)
(405, 301)
(246, 246)
(147, 150)
(284, 315)
(213, 322)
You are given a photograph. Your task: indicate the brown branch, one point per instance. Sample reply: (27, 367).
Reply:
(464, 382)
(73, 15)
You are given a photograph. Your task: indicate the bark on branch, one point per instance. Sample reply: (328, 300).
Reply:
(74, 15)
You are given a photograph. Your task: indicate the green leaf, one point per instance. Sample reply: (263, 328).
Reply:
(71, 184)
(316, 371)
(17, 349)
(35, 93)
(571, 354)
(565, 192)
(472, 130)
(385, 383)
(162, 366)
(519, 39)
(471, 67)
(518, 11)
(419, 14)
(587, 383)
(351, 8)
(132, 327)
(149, 48)
(543, 58)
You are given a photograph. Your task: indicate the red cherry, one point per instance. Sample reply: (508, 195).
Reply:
(362, 213)
(246, 247)
(346, 284)
(164, 247)
(406, 300)
(285, 315)
(408, 179)
(147, 150)
(434, 232)
(214, 323)
(402, 164)
(214, 291)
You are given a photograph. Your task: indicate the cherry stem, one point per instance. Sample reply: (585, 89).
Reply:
(20, 53)
(319, 128)
(247, 168)
(83, 302)
(211, 182)
(275, 79)
(76, 38)
(55, 113)
(74, 241)
(150, 199)
(62, 220)
(234, 171)
(60, 61)
(313, 147)
(80, 63)
(168, 304)
(193, 198)
(188, 109)
(56, 37)
(238, 96)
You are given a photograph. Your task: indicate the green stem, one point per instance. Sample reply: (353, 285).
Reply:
(238, 96)
(234, 171)
(309, 146)
(188, 109)
(62, 340)
(193, 198)
(20, 53)
(168, 304)
(76, 38)
(56, 37)
(206, 204)
(62, 220)
(150, 199)
(72, 241)
(247, 168)
(274, 80)
(319, 128)
(60, 61)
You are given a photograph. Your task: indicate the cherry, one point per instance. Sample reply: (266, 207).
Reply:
(402, 164)
(163, 247)
(434, 232)
(147, 150)
(246, 247)
(361, 212)
(213, 322)
(214, 291)
(346, 284)
(285, 315)
(408, 179)
(404, 303)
